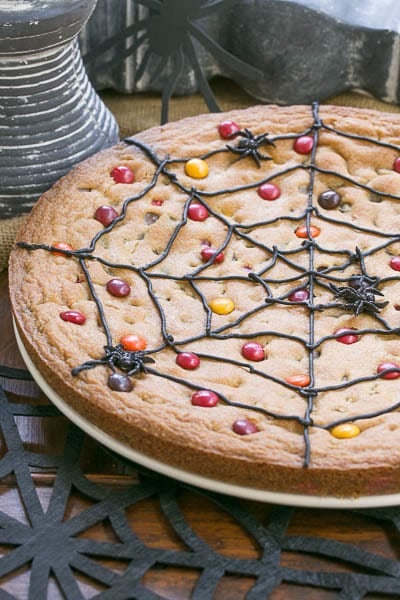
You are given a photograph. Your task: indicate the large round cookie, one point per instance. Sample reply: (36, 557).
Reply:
(236, 315)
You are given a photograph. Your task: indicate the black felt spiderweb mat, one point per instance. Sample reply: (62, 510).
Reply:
(54, 545)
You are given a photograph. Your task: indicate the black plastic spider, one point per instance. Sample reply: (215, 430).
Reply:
(359, 296)
(170, 37)
(128, 361)
(249, 145)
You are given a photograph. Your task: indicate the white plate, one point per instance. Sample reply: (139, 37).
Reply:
(191, 478)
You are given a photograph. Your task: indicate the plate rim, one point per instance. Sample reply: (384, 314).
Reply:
(184, 476)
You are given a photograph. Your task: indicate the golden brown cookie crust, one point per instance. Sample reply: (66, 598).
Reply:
(157, 417)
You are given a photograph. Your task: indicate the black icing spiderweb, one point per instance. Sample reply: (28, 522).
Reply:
(350, 285)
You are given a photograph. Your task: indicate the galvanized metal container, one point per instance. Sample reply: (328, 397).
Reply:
(50, 115)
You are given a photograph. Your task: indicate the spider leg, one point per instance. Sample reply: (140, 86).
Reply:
(143, 64)
(136, 369)
(202, 82)
(148, 359)
(154, 4)
(344, 306)
(246, 153)
(263, 139)
(232, 149)
(256, 157)
(205, 9)
(359, 308)
(170, 84)
(381, 304)
(90, 364)
(140, 368)
(373, 307)
(116, 41)
(225, 58)
(242, 154)
(263, 156)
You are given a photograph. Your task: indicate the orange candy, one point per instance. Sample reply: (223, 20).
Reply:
(301, 380)
(302, 231)
(62, 246)
(133, 342)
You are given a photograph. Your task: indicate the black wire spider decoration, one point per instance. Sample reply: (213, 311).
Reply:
(359, 295)
(169, 33)
(249, 144)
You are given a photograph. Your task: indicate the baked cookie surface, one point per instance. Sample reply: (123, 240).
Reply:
(223, 294)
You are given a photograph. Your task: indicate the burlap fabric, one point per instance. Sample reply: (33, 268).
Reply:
(137, 112)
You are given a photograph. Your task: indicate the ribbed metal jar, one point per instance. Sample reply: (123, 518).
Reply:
(50, 116)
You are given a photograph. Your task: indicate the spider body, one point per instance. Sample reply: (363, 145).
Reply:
(173, 13)
(359, 296)
(169, 37)
(130, 362)
(249, 145)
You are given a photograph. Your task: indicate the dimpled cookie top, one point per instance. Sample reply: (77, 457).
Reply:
(223, 294)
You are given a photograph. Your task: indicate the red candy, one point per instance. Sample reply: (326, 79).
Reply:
(105, 214)
(73, 316)
(389, 365)
(348, 337)
(205, 398)
(188, 360)
(395, 263)
(244, 427)
(122, 174)
(157, 202)
(228, 129)
(209, 252)
(299, 296)
(253, 351)
(303, 144)
(118, 287)
(197, 212)
(269, 191)
(396, 164)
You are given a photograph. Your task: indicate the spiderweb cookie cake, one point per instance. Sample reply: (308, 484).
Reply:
(223, 294)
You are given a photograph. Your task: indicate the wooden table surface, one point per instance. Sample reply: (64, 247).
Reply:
(220, 531)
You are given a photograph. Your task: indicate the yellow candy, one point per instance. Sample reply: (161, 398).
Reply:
(221, 306)
(197, 168)
(345, 431)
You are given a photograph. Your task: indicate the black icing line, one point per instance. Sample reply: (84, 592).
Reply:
(225, 399)
(97, 301)
(361, 138)
(311, 267)
(362, 417)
